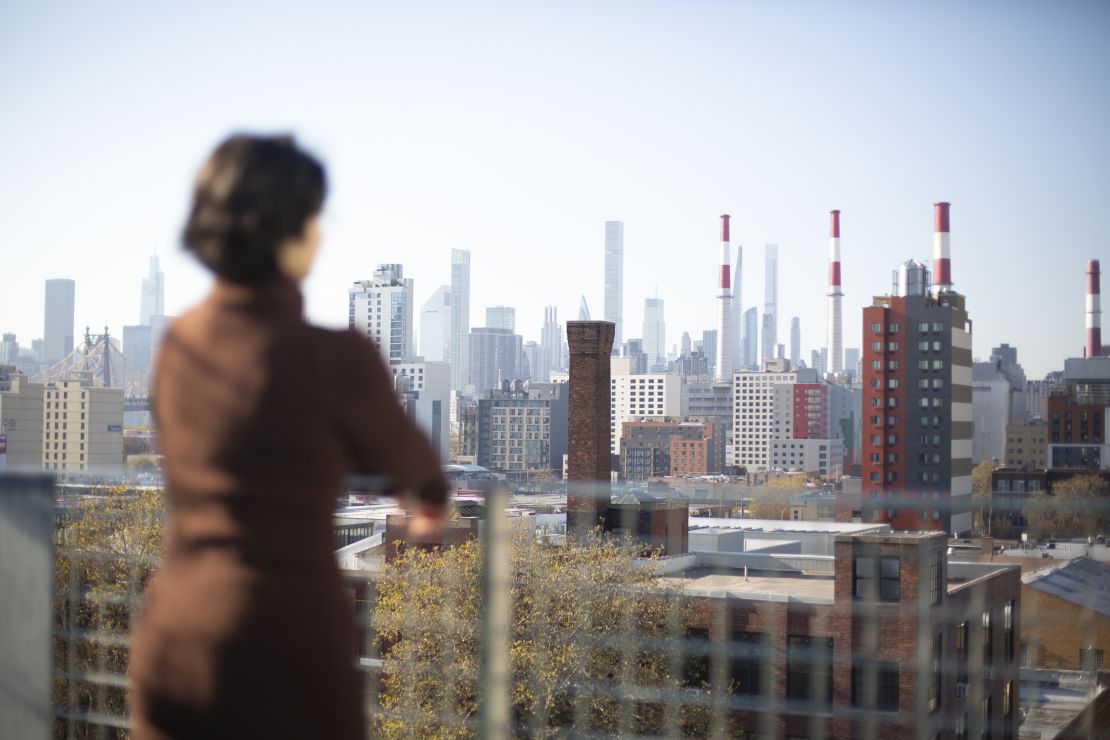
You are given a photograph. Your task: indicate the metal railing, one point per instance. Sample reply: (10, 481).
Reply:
(517, 630)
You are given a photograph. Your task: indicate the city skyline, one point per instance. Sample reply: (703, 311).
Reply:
(617, 135)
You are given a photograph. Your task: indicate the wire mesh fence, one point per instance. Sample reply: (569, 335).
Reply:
(512, 626)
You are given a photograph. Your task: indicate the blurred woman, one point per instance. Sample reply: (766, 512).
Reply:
(246, 630)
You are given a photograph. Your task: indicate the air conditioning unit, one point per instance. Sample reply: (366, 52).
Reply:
(988, 673)
(961, 689)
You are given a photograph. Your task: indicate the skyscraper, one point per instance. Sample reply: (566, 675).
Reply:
(460, 318)
(614, 276)
(501, 317)
(917, 406)
(435, 326)
(57, 330)
(381, 309)
(154, 289)
(495, 356)
(751, 338)
(795, 341)
(551, 339)
(771, 301)
(655, 335)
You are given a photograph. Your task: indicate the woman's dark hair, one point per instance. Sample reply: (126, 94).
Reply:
(252, 195)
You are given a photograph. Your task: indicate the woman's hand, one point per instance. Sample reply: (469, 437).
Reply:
(426, 522)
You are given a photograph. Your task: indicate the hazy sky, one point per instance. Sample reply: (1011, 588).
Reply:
(515, 130)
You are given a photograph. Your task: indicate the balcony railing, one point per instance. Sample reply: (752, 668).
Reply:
(516, 631)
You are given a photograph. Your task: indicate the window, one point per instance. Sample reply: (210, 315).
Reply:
(809, 670)
(961, 727)
(1008, 631)
(988, 639)
(892, 346)
(891, 420)
(876, 364)
(870, 584)
(892, 383)
(877, 328)
(938, 327)
(892, 329)
(934, 579)
(923, 327)
(695, 665)
(745, 666)
(985, 726)
(1090, 659)
(876, 346)
(876, 421)
(892, 365)
(875, 685)
(922, 346)
(934, 677)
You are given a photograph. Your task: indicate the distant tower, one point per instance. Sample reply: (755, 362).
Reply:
(57, 330)
(771, 301)
(751, 338)
(655, 335)
(614, 276)
(724, 316)
(835, 346)
(460, 318)
(942, 250)
(154, 293)
(435, 326)
(501, 317)
(551, 338)
(381, 309)
(795, 341)
(1094, 310)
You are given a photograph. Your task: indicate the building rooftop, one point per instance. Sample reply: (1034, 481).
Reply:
(755, 585)
(1082, 581)
(1051, 700)
(786, 525)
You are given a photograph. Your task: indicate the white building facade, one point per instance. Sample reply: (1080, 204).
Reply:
(381, 309)
(643, 397)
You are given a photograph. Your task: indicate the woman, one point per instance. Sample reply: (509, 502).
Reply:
(245, 630)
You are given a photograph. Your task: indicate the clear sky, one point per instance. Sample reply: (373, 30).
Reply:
(516, 129)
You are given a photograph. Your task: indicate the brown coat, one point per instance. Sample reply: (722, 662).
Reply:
(245, 630)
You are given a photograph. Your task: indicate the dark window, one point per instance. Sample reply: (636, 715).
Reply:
(695, 665)
(1090, 659)
(875, 685)
(988, 638)
(962, 634)
(934, 678)
(809, 670)
(889, 589)
(748, 649)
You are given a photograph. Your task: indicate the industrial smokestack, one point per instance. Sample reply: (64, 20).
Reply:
(724, 321)
(1094, 310)
(942, 250)
(836, 337)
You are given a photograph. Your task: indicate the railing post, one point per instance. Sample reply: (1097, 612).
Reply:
(496, 563)
(26, 606)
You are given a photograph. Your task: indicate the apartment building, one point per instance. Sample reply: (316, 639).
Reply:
(21, 419)
(523, 427)
(647, 397)
(886, 638)
(757, 417)
(917, 410)
(82, 426)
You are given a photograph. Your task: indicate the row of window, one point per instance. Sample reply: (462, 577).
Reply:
(922, 328)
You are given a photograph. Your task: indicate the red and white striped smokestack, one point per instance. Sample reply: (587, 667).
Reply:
(724, 319)
(942, 250)
(1094, 310)
(835, 343)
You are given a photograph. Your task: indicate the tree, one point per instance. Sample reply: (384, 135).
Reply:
(586, 623)
(1077, 507)
(981, 495)
(770, 503)
(106, 547)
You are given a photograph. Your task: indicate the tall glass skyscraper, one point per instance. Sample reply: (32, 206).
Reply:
(57, 330)
(771, 301)
(655, 335)
(614, 277)
(460, 318)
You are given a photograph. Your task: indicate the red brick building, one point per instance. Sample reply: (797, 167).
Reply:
(885, 639)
